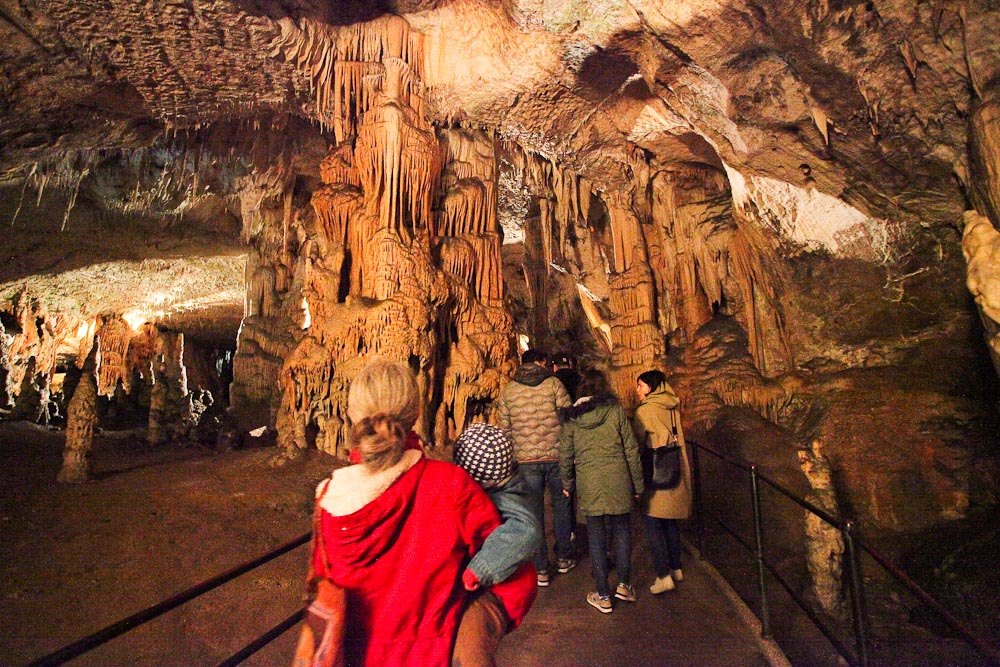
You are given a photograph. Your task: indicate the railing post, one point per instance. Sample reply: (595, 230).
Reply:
(758, 534)
(699, 518)
(856, 587)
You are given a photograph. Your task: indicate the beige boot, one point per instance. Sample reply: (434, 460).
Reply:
(662, 585)
(678, 575)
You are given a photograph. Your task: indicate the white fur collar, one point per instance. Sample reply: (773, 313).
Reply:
(351, 488)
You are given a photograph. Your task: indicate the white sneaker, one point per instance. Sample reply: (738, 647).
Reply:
(662, 585)
(678, 575)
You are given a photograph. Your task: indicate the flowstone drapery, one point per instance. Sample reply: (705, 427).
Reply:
(400, 258)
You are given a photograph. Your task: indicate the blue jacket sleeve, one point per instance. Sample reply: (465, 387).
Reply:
(514, 541)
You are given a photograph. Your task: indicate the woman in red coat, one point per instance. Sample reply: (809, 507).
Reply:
(393, 535)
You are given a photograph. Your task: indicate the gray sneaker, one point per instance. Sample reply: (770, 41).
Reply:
(564, 565)
(543, 579)
(601, 603)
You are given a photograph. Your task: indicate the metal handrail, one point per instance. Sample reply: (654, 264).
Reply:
(263, 640)
(118, 628)
(852, 547)
(816, 620)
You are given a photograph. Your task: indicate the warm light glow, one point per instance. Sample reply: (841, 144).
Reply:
(158, 298)
(597, 323)
(307, 319)
(134, 319)
(522, 343)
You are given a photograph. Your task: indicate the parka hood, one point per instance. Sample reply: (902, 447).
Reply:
(531, 374)
(365, 535)
(664, 397)
(589, 412)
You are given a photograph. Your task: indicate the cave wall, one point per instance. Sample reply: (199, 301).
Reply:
(765, 199)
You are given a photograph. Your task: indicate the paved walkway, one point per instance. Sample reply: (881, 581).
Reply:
(695, 625)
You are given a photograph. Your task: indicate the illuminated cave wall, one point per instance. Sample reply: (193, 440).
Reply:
(398, 253)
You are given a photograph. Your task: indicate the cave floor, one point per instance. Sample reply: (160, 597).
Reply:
(157, 520)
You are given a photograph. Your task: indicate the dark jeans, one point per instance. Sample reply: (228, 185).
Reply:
(538, 477)
(598, 538)
(664, 539)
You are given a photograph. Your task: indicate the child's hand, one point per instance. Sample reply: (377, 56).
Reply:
(566, 493)
(469, 580)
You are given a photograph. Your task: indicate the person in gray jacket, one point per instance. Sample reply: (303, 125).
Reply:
(527, 411)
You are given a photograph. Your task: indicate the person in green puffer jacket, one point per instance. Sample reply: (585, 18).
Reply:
(599, 458)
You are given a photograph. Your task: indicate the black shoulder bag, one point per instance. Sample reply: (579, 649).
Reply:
(667, 464)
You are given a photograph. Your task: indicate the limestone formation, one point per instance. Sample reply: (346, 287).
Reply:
(80, 422)
(763, 199)
(981, 247)
(824, 543)
(169, 406)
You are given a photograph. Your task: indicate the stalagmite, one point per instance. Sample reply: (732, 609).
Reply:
(81, 419)
(169, 407)
(981, 247)
(824, 543)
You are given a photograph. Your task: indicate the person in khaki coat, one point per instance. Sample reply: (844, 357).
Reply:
(657, 423)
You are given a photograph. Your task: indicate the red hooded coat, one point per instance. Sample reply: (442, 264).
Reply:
(400, 558)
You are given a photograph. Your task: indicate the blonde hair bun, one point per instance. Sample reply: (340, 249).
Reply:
(382, 405)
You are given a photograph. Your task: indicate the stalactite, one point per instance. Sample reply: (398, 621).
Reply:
(625, 233)
(399, 161)
(752, 264)
(335, 206)
(341, 60)
(597, 322)
(113, 334)
(699, 249)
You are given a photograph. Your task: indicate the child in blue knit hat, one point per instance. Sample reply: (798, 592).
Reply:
(487, 454)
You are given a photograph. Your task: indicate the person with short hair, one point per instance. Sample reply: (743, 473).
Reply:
(527, 413)
(564, 368)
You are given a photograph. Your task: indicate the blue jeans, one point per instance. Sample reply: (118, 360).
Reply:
(598, 537)
(664, 539)
(537, 477)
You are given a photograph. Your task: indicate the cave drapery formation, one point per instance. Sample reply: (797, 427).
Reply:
(219, 209)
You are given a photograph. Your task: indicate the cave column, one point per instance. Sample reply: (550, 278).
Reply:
(637, 342)
(169, 407)
(824, 543)
(81, 419)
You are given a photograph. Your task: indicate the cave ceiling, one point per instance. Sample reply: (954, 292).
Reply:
(865, 104)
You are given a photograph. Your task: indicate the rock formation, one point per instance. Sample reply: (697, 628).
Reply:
(765, 199)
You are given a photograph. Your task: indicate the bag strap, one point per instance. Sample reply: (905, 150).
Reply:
(317, 542)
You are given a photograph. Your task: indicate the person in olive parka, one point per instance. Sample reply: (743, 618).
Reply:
(599, 457)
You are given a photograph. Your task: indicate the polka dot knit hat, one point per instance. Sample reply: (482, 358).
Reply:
(485, 453)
